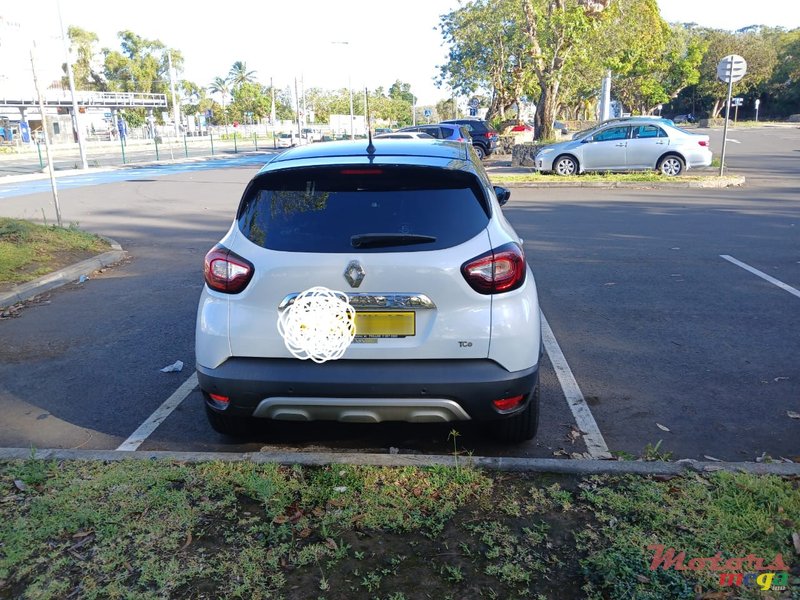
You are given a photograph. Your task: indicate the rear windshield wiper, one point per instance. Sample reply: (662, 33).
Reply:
(374, 240)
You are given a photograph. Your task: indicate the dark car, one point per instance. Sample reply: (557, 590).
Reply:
(443, 131)
(484, 136)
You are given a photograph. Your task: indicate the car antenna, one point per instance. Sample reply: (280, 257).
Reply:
(370, 147)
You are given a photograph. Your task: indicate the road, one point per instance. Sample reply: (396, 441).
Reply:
(667, 340)
(66, 157)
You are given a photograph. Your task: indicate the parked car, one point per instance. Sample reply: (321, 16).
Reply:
(379, 130)
(312, 134)
(443, 131)
(484, 136)
(627, 119)
(454, 323)
(287, 140)
(405, 135)
(684, 118)
(628, 146)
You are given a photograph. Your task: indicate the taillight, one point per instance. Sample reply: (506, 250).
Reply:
(703, 142)
(226, 271)
(491, 134)
(507, 404)
(497, 271)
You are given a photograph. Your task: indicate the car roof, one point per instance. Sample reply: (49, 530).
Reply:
(433, 152)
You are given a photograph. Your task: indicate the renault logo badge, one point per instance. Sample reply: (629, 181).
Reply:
(354, 273)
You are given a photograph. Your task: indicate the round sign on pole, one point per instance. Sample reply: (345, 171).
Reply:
(731, 68)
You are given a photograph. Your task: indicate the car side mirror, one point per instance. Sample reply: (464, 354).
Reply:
(502, 194)
(586, 140)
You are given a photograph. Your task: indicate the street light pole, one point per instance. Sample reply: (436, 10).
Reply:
(70, 76)
(176, 111)
(46, 138)
(350, 90)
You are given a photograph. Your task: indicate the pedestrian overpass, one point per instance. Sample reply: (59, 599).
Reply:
(63, 98)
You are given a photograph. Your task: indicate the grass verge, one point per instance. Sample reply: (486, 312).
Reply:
(638, 177)
(239, 530)
(28, 250)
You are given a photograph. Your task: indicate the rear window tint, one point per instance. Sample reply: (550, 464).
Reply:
(320, 210)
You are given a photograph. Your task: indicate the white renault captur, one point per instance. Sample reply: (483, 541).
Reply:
(447, 315)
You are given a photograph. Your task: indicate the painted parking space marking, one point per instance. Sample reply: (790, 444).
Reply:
(761, 274)
(595, 444)
(144, 431)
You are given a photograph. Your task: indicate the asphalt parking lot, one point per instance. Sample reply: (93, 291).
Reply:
(666, 339)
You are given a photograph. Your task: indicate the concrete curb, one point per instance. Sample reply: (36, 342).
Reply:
(26, 291)
(153, 163)
(724, 182)
(520, 465)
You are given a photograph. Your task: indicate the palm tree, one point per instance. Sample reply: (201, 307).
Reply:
(221, 86)
(239, 74)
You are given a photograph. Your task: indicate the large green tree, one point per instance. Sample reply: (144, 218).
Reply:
(85, 60)
(756, 47)
(488, 50)
(651, 62)
(555, 31)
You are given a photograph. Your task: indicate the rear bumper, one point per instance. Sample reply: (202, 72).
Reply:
(365, 390)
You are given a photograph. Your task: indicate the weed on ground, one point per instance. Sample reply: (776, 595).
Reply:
(29, 250)
(155, 529)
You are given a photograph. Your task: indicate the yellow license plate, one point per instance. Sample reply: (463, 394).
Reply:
(375, 324)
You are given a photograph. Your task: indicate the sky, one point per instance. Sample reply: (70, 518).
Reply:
(385, 41)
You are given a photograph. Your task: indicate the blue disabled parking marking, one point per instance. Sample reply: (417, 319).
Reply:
(131, 173)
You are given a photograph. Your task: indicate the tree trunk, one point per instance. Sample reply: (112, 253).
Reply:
(546, 111)
(718, 104)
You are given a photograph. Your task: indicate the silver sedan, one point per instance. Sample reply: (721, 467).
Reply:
(637, 146)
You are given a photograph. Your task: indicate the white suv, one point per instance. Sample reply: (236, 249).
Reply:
(412, 231)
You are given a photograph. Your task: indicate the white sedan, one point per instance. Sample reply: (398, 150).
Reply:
(632, 146)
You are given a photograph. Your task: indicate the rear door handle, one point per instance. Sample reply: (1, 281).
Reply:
(623, 144)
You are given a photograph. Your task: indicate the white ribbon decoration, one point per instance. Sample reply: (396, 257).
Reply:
(319, 324)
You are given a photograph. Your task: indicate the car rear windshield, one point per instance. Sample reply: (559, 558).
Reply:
(364, 209)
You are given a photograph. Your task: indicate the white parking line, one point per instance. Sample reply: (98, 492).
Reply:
(595, 444)
(764, 276)
(144, 431)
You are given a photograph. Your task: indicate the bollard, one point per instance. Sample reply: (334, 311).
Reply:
(155, 139)
(255, 140)
(235, 147)
(185, 147)
(212, 143)
(39, 148)
(122, 145)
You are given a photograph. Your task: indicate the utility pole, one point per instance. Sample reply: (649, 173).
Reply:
(366, 116)
(46, 139)
(176, 111)
(297, 104)
(303, 94)
(78, 130)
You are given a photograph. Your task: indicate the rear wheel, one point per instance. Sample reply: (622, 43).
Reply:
(522, 426)
(565, 165)
(228, 424)
(481, 152)
(671, 166)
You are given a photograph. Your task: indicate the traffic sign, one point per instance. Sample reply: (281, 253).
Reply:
(731, 68)
(427, 112)
(737, 101)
